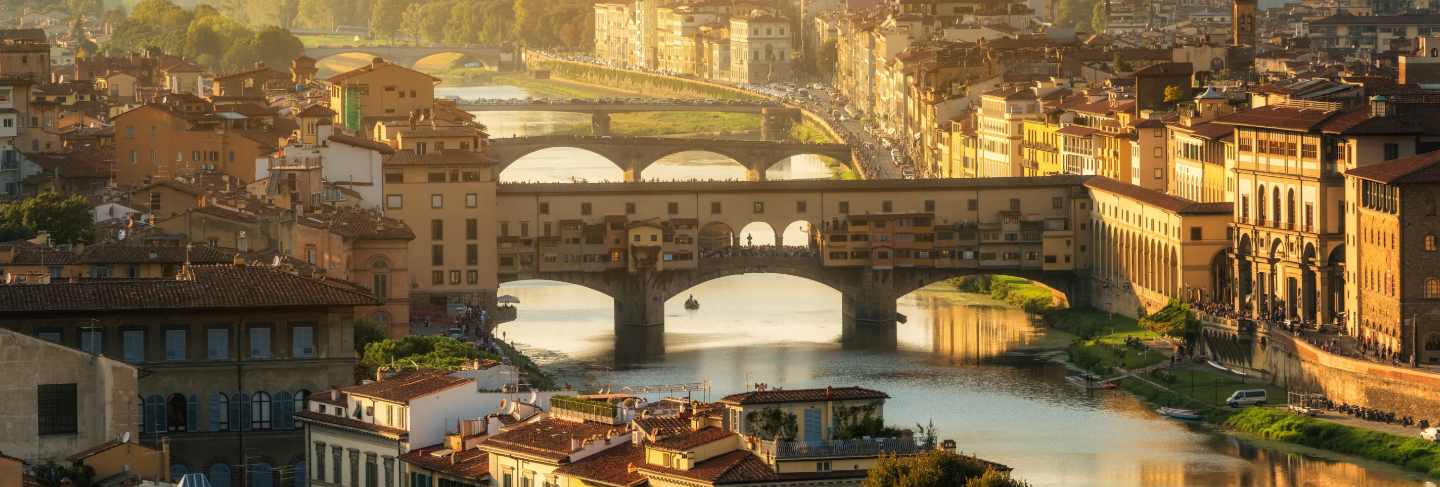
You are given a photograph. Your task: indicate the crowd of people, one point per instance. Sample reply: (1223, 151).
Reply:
(1366, 413)
(757, 251)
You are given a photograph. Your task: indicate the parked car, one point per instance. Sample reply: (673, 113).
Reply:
(1432, 433)
(1246, 397)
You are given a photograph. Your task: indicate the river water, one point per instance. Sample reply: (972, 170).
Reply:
(964, 362)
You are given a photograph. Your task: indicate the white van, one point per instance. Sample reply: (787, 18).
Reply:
(1246, 397)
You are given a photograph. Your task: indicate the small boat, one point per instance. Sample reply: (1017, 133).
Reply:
(1178, 413)
(692, 304)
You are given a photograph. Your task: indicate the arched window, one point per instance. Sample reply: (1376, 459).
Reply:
(219, 475)
(1260, 218)
(284, 411)
(260, 411)
(219, 412)
(1275, 213)
(1290, 209)
(239, 411)
(175, 413)
(1432, 342)
(1432, 288)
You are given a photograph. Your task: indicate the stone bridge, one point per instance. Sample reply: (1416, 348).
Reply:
(409, 56)
(775, 119)
(868, 296)
(634, 154)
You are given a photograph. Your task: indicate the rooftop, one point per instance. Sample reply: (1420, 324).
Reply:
(610, 467)
(199, 287)
(1416, 169)
(549, 438)
(735, 467)
(408, 385)
(775, 396)
(691, 439)
(472, 464)
(1155, 198)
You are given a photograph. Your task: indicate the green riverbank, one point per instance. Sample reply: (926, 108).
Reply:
(1413, 453)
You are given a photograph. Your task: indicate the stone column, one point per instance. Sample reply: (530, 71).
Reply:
(600, 124)
(639, 316)
(1322, 293)
(868, 312)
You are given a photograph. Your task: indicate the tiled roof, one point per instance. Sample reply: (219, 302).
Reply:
(447, 156)
(609, 467)
(119, 253)
(1155, 198)
(548, 438)
(1284, 117)
(375, 64)
(361, 143)
(804, 395)
(23, 35)
(94, 450)
(472, 464)
(358, 223)
(352, 424)
(1347, 19)
(29, 254)
(1209, 130)
(212, 286)
(663, 425)
(186, 188)
(1077, 130)
(1416, 169)
(688, 440)
(736, 467)
(408, 386)
(316, 110)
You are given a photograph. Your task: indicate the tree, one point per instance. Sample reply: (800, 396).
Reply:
(429, 352)
(412, 22)
(66, 218)
(276, 47)
(317, 14)
(385, 17)
(366, 332)
(1173, 94)
(1099, 17)
(935, 468)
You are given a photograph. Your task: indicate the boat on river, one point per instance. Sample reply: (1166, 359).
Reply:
(1179, 413)
(692, 304)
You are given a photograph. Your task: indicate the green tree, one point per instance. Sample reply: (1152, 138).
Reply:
(434, 17)
(530, 17)
(276, 47)
(430, 352)
(385, 17)
(935, 468)
(462, 25)
(1098, 18)
(66, 218)
(366, 332)
(412, 22)
(318, 14)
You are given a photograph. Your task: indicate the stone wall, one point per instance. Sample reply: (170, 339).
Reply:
(1302, 367)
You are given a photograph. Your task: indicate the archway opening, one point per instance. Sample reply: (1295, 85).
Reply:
(339, 63)
(558, 317)
(716, 236)
(562, 165)
(808, 166)
(442, 61)
(973, 318)
(695, 165)
(753, 309)
(796, 234)
(757, 234)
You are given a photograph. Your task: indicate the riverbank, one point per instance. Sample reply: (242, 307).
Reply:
(1413, 453)
(533, 374)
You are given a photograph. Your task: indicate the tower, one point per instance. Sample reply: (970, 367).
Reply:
(1242, 23)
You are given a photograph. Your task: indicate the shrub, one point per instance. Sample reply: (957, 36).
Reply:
(1412, 453)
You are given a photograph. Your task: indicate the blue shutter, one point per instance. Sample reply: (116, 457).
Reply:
(281, 407)
(155, 410)
(192, 416)
(237, 411)
(214, 411)
(245, 412)
(219, 475)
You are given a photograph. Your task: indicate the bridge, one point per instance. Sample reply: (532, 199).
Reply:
(409, 56)
(634, 154)
(775, 119)
(873, 241)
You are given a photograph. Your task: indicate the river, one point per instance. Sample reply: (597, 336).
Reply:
(960, 362)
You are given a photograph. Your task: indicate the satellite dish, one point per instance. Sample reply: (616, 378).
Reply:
(503, 403)
(531, 401)
(512, 409)
(125, 437)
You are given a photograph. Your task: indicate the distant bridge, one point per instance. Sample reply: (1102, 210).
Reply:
(634, 154)
(409, 56)
(582, 106)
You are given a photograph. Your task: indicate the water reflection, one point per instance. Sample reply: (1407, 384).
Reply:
(956, 365)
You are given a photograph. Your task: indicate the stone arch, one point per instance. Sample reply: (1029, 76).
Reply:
(587, 280)
(797, 234)
(1260, 206)
(348, 59)
(715, 235)
(765, 165)
(663, 165)
(520, 158)
(1290, 208)
(757, 233)
(1244, 262)
(454, 55)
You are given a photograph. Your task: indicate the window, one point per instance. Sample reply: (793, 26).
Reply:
(545, 208)
(630, 208)
(260, 342)
(133, 342)
(929, 206)
(472, 229)
(887, 206)
(435, 177)
(472, 254)
(972, 204)
(845, 207)
(335, 463)
(319, 461)
(1392, 151)
(672, 208)
(1430, 243)
(302, 341)
(759, 207)
(371, 471)
(437, 255)
(380, 284)
(1057, 203)
(91, 341)
(1432, 288)
(217, 344)
(472, 277)
(585, 208)
(57, 409)
(454, 277)
(437, 201)
(800, 207)
(260, 411)
(175, 344)
(472, 200)
(437, 277)
(394, 177)
(394, 201)
(1014, 204)
(437, 229)
(714, 207)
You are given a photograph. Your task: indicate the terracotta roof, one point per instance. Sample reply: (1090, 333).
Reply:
(39, 255)
(375, 64)
(548, 438)
(448, 156)
(1347, 19)
(316, 110)
(735, 467)
(94, 450)
(213, 286)
(1077, 130)
(186, 188)
(352, 424)
(181, 66)
(1209, 130)
(258, 70)
(1155, 198)
(358, 223)
(688, 440)
(472, 464)
(361, 143)
(774, 396)
(1283, 117)
(119, 253)
(1416, 169)
(609, 467)
(661, 426)
(408, 386)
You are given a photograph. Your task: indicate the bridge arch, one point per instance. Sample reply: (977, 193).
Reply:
(766, 166)
(667, 163)
(758, 233)
(528, 167)
(796, 234)
(441, 60)
(716, 235)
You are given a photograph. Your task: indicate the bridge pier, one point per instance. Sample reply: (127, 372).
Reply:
(600, 124)
(639, 316)
(868, 313)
